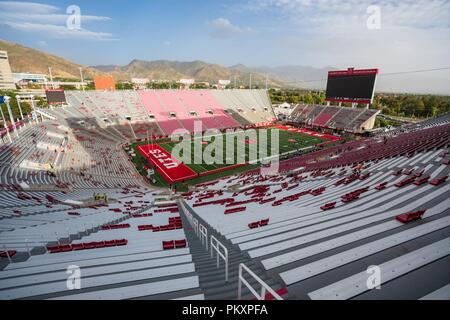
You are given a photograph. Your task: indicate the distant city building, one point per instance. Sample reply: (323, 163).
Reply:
(24, 79)
(222, 84)
(186, 83)
(283, 110)
(6, 79)
(140, 83)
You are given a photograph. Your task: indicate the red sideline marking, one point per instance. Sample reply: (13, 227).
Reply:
(207, 173)
(170, 168)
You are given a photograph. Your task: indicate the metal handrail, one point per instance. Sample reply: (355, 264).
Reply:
(215, 245)
(195, 225)
(264, 286)
(203, 235)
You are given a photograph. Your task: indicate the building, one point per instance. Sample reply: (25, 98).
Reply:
(6, 79)
(24, 79)
(140, 83)
(283, 110)
(105, 83)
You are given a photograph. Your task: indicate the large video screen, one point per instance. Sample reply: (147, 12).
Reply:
(351, 86)
(56, 96)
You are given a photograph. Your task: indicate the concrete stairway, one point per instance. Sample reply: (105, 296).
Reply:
(212, 279)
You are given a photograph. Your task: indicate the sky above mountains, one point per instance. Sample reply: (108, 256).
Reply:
(388, 34)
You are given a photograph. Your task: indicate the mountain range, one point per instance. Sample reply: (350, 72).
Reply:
(24, 59)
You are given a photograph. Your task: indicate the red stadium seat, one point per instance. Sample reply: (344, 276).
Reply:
(111, 243)
(253, 225)
(409, 217)
(90, 245)
(422, 181)
(328, 206)
(54, 249)
(438, 181)
(408, 172)
(419, 173)
(145, 227)
(235, 210)
(405, 182)
(180, 244)
(168, 245)
(6, 254)
(121, 242)
(264, 222)
(100, 244)
(77, 247)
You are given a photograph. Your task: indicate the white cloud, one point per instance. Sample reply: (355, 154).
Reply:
(60, 32)
(29, 7)
(222, 28)
(47, 20)
(414, 34)
(317, 13)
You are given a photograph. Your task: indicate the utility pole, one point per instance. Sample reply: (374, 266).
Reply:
(11, 117)
(81, 76)
(34, 109)
(4, 122)
(20, 108)
(51, 77)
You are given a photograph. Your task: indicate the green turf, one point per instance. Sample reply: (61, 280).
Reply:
(303, 141)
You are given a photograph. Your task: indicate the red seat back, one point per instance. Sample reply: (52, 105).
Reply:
(180, 243)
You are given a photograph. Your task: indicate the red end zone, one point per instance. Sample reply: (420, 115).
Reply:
(171, 169)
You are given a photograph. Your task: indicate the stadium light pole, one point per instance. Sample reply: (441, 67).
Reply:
(34, 108)
(51, 77)
(81, 76)
(20, 108)
(4, 124)
(11, 117)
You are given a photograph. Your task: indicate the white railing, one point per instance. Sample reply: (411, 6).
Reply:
(195, 225)
(203, 235)
(199, 229)
(215, 245)
(264, 286)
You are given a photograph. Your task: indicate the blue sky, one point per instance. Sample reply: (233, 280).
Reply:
(413, 34)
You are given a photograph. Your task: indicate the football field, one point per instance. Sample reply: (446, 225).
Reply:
(174, 164)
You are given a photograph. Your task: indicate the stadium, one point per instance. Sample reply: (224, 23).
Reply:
(224, 158)
(91, 184)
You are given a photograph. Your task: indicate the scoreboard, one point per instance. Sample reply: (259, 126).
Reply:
(356, 86)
